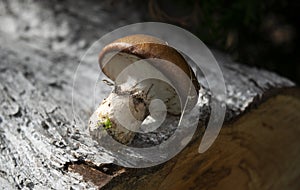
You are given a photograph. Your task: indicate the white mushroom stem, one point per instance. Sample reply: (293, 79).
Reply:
(123, 112)
(116, 113)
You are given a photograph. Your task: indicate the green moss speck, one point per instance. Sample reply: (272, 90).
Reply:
(105, 124)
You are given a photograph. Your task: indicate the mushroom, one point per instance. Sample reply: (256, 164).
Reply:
(151, 79)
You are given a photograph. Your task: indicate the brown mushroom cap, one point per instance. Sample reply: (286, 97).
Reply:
(144, 47)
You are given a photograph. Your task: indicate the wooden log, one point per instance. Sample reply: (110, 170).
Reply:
(260, 150)
(42, 146)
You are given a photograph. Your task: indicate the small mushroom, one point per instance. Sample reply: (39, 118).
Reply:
(151, 79)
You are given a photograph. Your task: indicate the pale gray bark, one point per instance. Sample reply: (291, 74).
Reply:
(40, 48)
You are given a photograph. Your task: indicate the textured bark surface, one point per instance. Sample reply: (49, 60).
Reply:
(43, 145)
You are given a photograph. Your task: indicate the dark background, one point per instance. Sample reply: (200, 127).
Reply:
(264, 34)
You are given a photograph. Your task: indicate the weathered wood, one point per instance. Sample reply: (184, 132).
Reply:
(43, 146)
(258, 151)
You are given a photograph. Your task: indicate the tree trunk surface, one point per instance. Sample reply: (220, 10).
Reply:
(44, 140)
